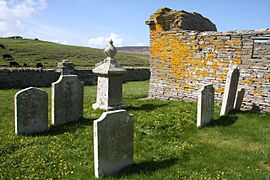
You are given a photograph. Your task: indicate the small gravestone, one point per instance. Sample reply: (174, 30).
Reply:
(230, 91)
(65, 67)
(113, 142)
(239, 99)
(205, 107)
(31, 111)
(67, 99)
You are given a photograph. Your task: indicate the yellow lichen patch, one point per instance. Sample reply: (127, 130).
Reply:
(257, 92)
(267, 77)
(247, 81)
(210, 57)
(198, 73)
(236, 42)
(205, 73)
(219, 90)
(215, 65)
(237, 61)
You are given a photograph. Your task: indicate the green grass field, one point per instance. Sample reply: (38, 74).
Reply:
(31, 52)
(167, 143)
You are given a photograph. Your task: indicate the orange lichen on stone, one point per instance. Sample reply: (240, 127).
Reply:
(176, 52)
(236, 42)
(257, 92)
(247, 81)
(237, 61)
(219, 90)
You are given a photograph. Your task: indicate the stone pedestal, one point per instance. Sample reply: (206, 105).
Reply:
(109, 84)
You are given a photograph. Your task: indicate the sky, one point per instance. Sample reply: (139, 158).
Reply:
(93, 23)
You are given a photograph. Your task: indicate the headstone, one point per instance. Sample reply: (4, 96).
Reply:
(239, 99)
(230, 91)
(65, 67)
(31, 111)
(205, 107)
(109, 84)
(67, 99)
(113, 142)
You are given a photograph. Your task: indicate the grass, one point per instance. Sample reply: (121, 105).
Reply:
(31, 52)
(167, 143)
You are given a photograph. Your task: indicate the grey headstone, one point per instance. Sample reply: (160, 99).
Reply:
(65, 67)
(31, 111)
(239, 99)
(205, 107)
(230, 91)
(113, 142)
(67, 99)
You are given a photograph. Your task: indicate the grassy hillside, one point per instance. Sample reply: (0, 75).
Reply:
(31, 52)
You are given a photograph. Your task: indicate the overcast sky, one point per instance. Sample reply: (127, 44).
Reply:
(93, 22)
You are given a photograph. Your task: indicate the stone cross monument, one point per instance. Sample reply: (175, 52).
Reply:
(109, 83)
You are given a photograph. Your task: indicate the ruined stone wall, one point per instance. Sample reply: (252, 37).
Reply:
(25, 77)
(182, 61)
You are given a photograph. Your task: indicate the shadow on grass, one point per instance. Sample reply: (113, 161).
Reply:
(145, 107)
(223, 121)
(69, 127)
(246, 112)
(146, 167)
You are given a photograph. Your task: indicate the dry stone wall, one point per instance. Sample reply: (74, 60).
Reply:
(26, 77)
(183, 61)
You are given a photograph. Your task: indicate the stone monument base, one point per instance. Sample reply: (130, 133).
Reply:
(107, 107)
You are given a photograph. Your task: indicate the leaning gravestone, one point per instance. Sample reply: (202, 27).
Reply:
(67, 99)
(239, 99)
(113, 142)
(31, 111)
(205, 107)
(230, 91)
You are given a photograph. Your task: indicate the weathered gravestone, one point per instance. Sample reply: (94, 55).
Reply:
(109, 85)
(67, 99)
(230, 91)
(65, 67)
(113, 142)
(31, 111)
(239, 99)
(205, 107)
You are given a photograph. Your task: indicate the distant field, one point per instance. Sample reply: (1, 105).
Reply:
(30, 52)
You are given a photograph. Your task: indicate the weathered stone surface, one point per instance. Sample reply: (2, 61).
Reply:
(109, 85)
(181, 20)
(109, 93)
(230, 91)
(113, 142)
(239, 99)
(67, 99)
(65, 67)
(31, 111)
(205, 107)
(183, 60)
